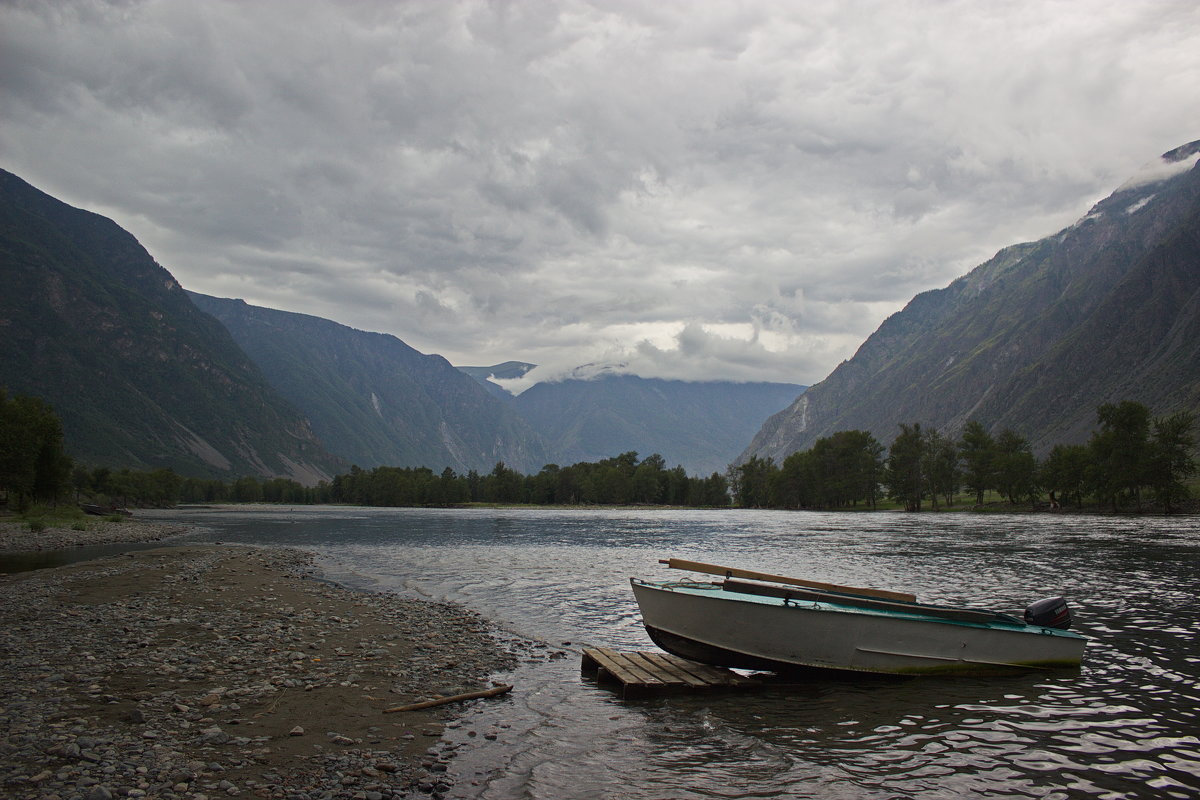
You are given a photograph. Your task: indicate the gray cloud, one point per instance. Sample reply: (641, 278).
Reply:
(725, 190)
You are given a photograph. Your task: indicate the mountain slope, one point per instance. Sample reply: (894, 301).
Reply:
(373, 399)
(699, 425)
(1037, 337)
(139, 377)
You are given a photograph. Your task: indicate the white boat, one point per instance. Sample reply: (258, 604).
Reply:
(750, 620)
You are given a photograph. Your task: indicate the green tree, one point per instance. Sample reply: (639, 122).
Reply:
(797, 484)
(33, 464)
(247, 490)
(752, 482)
(503, 485)
(714, 491)
(1172, 459)
(904, 476)
(1120, 452)
(940, 467)
(679, 487)
(977, 450)
(1065, 471)
(1015, 467)
(649, 483)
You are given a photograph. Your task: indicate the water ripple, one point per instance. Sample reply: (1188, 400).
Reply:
(1124, 726)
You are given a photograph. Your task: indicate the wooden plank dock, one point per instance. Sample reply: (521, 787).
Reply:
(649, 673)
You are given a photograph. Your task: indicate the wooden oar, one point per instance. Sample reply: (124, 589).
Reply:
(734, 572)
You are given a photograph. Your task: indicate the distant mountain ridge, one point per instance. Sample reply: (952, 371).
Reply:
(144, 375)
(140, 378)
(147, 375)
(374, 400)
(1038, 336)
(701, 425)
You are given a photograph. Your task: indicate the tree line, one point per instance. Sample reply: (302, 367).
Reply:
(1129, 457)
(621, 480)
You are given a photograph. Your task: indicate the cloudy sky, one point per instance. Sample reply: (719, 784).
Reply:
(735, 190)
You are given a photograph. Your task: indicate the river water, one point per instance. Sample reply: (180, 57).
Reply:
(1124, 726)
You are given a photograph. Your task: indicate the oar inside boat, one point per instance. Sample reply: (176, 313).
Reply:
(734, 572)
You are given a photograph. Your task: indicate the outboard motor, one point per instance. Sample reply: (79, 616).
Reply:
(1049, 613)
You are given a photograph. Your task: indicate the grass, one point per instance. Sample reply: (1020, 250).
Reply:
(62, 513)
(40, 517)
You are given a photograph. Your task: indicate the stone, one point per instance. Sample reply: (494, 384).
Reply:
(214, 735)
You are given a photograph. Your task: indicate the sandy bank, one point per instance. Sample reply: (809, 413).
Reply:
(199, 672)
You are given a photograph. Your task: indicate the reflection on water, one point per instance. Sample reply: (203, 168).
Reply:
(44, 559)
(1125, 725)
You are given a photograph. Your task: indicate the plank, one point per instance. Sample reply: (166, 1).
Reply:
(643, 662)
(635, 667)
(627, 673)
(678, 671)
(734, 572)
(648, 671)
(717, 676)
(606, 665)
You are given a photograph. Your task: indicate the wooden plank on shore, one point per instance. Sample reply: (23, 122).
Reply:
(717, 676)
(606, 665)
(677, 670)
(734, 572)
(665, 675)
(622, 669)
(651, 671)
(636, 667)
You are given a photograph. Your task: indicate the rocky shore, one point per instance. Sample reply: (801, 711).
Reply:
(18, 537)
(197, 672)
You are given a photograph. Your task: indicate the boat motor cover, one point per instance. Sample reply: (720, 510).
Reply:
(1049, 613)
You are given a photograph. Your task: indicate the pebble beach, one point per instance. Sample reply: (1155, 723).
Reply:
(196, 672)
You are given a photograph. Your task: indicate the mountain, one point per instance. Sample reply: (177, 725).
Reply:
(373, 399)
(1038, 337)
(509, 370)
(139, 376)
(699, 425)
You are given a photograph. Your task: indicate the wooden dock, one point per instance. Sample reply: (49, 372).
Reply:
(652, 673)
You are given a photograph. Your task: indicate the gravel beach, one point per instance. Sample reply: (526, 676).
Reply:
(197, 672)
(17, 537)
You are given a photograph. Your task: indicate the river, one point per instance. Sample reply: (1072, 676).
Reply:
(1123, 726)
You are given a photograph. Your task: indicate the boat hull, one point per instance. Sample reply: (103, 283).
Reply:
(707, 624)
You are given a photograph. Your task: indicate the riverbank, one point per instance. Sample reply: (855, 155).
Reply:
(17, 536)
(196, 672)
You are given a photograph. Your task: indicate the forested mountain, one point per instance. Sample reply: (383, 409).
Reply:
(699, 425)
(1037, 338)
(373, 399)
(139, 377)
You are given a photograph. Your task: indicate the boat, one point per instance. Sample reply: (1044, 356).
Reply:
(104, 511)
(757, 621)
